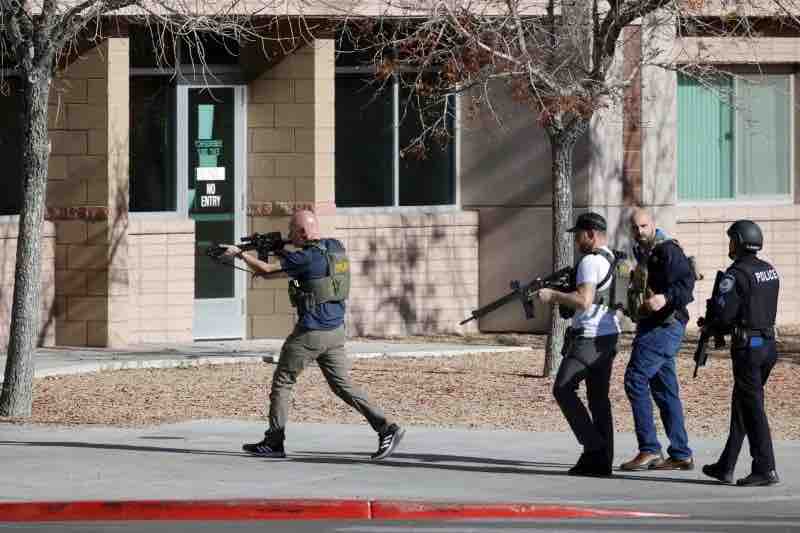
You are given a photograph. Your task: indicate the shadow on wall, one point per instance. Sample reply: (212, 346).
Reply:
(506, 157)
(8, 258)
(111, 228)
(397, 267)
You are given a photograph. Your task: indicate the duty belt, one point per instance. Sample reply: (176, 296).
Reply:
(768, 332)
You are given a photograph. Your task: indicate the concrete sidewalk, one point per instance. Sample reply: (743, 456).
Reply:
(200, 463)
(202, 460)
(77, 360)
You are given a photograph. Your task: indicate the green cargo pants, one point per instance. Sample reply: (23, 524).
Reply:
(326, 347)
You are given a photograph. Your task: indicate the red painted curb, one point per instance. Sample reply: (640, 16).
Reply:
(185, 510)
(234, 510)
(406, 510)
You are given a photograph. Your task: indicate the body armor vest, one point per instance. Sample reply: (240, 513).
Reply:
(638, 289)
(334, 287)
(760, 298)
(603, 297)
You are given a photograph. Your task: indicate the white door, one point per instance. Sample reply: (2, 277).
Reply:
(212, 155)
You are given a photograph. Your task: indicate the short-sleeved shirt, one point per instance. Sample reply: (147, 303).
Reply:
(310, 263)
(598, 320)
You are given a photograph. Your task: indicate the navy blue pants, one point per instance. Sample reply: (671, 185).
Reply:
(751, 368)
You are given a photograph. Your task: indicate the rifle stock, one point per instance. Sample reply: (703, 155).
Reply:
(701, 352)
(559, 280)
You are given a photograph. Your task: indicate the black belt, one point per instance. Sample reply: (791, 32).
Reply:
(768, 332)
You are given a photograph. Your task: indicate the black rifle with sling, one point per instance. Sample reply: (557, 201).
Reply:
(707, 330)
(559, 280)
(265, 244)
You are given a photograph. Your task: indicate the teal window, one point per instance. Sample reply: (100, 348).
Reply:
(735, 137)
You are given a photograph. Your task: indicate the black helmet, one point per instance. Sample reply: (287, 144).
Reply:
(746, 235)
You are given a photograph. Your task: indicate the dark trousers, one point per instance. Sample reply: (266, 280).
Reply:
(589, 359)
(751, 368)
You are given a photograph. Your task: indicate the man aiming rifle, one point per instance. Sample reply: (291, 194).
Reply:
(559, 280)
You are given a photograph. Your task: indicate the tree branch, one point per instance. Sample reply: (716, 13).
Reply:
(606, 36)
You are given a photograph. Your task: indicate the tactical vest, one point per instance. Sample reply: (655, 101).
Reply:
(611, 295)
(637, 291)
(334, 287)
(760, 299)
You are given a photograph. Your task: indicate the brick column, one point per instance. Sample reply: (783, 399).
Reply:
(632, 117)
(290, 163)
(87, 196)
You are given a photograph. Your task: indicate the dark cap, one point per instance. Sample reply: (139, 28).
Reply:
(589, 221)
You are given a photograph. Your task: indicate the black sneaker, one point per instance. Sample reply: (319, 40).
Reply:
(271, 446)
(388, 441)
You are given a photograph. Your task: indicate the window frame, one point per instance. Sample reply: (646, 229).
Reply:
(368, 70)
(216, 75)
(11, 219)
(737, 71)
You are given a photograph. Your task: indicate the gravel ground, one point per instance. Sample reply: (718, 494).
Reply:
(476, 391)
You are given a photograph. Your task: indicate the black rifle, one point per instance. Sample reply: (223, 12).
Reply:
(560, 280)
(264, 243)
(707, 330)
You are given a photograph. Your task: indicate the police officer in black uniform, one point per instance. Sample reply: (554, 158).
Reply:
(745, 306)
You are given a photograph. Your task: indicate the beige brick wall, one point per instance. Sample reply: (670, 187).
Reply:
(161, 259)
(290, 150)
(701, 231)
(290, 130)
(728, 50)
(411, 274)
(9, 233)
(88, 196)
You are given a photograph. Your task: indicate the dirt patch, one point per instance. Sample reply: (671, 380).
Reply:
(477, 391)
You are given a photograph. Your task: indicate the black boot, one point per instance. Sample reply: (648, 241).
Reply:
(594, 464)
(759, 479)
(271, 446)
(713, 470)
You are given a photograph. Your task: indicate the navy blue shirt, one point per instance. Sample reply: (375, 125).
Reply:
(669, 273)
(310, 263)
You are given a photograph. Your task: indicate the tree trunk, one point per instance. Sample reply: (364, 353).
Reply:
(16, 398)
(562, 145)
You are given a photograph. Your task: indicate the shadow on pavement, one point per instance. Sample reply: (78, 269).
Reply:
(407, 460)
(123, 447)
(490, 466)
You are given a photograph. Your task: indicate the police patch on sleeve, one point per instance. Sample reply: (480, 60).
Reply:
(726, 284)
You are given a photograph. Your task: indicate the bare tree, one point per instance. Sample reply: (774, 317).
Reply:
(36, 39)
(556, 59)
